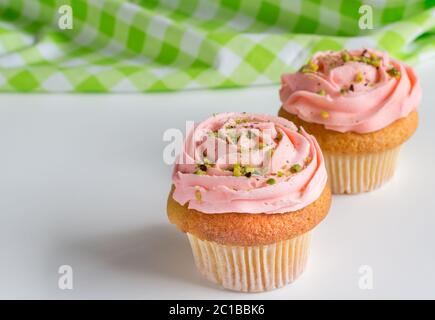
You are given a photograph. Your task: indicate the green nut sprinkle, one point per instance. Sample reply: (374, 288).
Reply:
(321, 92)
(237, 170)
(345, 56)
(359, 77)
(355, 58)
(309, 67)
(393, 72)
(249, 169)
(296, 168)
(375, 62)
(365, 60)
(271, 181)
(200, 172)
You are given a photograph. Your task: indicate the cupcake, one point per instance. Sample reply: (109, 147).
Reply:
(361, 107)
(247, 190)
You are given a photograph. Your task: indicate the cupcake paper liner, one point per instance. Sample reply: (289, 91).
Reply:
(251, 268)
(361, 172)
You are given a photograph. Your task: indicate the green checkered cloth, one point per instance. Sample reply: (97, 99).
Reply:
(163, 45)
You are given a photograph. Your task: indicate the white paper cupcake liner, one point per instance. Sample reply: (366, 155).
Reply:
(251, 268)
(361, 172)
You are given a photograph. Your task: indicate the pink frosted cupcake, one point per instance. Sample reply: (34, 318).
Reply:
(248, 189)
(361, 107)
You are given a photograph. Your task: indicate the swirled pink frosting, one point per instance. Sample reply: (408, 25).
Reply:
(248, 163)
(360, 91)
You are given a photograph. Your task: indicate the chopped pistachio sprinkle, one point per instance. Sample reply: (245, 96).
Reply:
(343, 90)
(200, 172)
(237, 170)
(393, 72)
(240, 121)
(249, 169)
(345, 56)
(359, 77)
(321, 92)
(260, 145)
(280, 173)
(310, 67)
(295, 168)
(271, 181)
(365, 59)
(198, 195)
(324, 114)
(375, 62)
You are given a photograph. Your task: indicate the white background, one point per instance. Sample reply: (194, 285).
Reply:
(83, 183)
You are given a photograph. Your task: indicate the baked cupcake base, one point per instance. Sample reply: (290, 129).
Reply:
(251, 268)
(355, 162)
(250, 252)
(247, 229)
(357, 173)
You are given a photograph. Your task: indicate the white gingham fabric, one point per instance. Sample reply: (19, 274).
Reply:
(162, 45)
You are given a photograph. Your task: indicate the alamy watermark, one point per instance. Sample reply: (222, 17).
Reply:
(366, 19)
(66, 278)
(365, 280)
(238, 142)
(65, 21)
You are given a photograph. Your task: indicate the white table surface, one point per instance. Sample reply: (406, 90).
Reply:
(83, 183)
